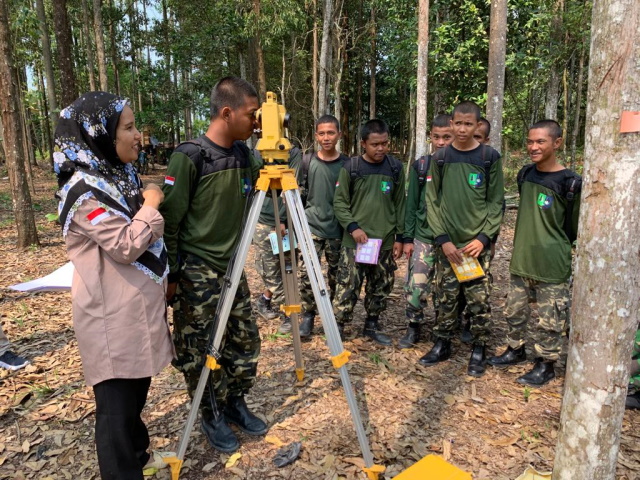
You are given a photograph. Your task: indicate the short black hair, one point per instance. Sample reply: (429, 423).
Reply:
(487, 124)
(442, 121)
(467, 107)
(553, 127)
(328, 119)
(374, 125)
(230, 92)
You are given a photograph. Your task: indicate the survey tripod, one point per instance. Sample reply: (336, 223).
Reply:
(274, 147)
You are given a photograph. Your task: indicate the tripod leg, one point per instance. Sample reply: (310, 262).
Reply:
(338, 354)
(218, 326)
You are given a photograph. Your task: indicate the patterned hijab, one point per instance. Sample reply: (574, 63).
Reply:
(87, 165)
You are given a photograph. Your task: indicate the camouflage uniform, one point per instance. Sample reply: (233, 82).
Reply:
(268, 264)
(553, 310)
(331, 249)
(476, 293)
(379, 278)
(635, 378)
(420, 284)
(194, 308)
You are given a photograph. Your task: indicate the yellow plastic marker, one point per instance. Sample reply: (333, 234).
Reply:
(289, 309)
(211, 363)
(433, 467)
(175, 464)
(340, 359)
(374, 471)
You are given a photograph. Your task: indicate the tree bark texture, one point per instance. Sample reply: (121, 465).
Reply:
(262, 76)
(87, 43)
(422, 123)
(314, 65)
(606, 292)
(13, 136)
(373, 66)
(495, 83)
(325, 59)
(553, 86)
(48, 64)
(577, 108)
(114, 50)
(98, 27)
(62, 28)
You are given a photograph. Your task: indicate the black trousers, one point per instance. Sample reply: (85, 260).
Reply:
(122, 439)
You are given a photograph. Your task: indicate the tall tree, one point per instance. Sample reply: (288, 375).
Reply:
(553, 85)
(373, 65)
(495, 82)
(48, 65)
(98, 28)
(421, 122)
(87, 43)
(262, 77)
(13, 136)
(325, 59)
(602, 331)
(69, 91)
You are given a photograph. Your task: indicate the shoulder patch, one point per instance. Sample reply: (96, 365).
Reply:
(169, 180)
(98, 215)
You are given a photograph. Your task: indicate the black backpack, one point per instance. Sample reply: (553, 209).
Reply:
(569, 187)
(354, 170)
(424, 162)
(485, 163)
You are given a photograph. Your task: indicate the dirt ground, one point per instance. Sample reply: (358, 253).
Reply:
(492, 426)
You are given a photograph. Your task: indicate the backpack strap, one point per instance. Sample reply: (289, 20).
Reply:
(197, 157)
(304, 169)
(523, 174)
(395, 169)
(423, 164)
(573, 186)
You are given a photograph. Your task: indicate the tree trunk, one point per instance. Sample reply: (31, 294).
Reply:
(87, 43)
(114, 50)
(373, 65)
(98, 27)
(48, 65)
(13, 137)
(577, 108)
(65, 60)
(553, 86)
(422, 123)
(412, 125)
(48, 143)
(605, 296)
(262, 77)
(314, 80)
(495, 83)
(325, 59)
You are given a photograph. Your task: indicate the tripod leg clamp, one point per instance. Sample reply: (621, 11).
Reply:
(175, 464)
(341, 359)
(289, 309)
(211, 363)
(374, 471)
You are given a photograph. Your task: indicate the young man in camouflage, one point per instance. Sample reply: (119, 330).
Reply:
(268, 263)
(206, 188)
(464, 211)
(317, 178)
(418, 238)
(369, 203)
(541, 260)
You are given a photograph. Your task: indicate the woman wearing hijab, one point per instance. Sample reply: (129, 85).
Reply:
(113, 233)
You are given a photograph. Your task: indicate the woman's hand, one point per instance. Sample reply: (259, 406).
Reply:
(152, 195)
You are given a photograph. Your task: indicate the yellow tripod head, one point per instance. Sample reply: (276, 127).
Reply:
(273, 119)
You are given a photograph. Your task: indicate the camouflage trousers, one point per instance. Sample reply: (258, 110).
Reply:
(420, 277)
(194, 308)
(553, 311)
(331, 249)
(476, 294)
(349, 281)
(268, 264)
(635, 367)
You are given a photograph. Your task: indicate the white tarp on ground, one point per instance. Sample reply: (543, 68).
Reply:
(56, 281)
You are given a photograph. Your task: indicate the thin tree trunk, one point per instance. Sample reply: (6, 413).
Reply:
(65, 57)
(606, 300)
(114, 50)
(243, 64)
(412, 126)
(48, 66)
(373, 65)
(47, 127)
(314, 81)
(87, 42)
(98, 27)
(13, 133)
(421, 122)
(553, 86)
(495, 84)
(577, 108)
(262, 77)
(565, 112)
(325, 58)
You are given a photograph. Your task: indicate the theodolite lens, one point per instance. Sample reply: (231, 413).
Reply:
(285, 122)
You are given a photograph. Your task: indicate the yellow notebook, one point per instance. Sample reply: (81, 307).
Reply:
(468, 270)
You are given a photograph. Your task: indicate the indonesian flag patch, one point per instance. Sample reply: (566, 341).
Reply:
(429, 178)
(337, 184)
(169, 180)
(98, 215)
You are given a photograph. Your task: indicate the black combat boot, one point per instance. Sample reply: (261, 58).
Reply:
(263, 307)
(411, 337)
(306, 326)
(509, 357)
(541, 373)
(371, 331)
(218, 433)
(238, 413)
(440, 352)
(285, 326)
(477, 362)
(465, 335)
(632, 401)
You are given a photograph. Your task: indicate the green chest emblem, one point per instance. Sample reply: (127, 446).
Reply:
(385, 187)
(476, 179)
(545, 201)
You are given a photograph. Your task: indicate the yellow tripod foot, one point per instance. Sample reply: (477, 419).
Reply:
(175, 464)
(300, 374)
(374, 471)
